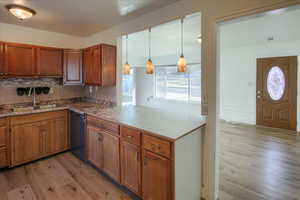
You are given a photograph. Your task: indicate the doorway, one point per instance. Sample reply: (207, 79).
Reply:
(258, 61)
(276, 92)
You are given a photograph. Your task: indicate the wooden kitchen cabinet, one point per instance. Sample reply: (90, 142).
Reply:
(59, 135)
(95, 147)
(49, 62)
(4, 143)
(100, 65)
(27, 143)
(131, 167)
(38, 135)
(111, 156)
(157, 182)
(104, 146)
(73, 67)
(19, 60)
(2, 70)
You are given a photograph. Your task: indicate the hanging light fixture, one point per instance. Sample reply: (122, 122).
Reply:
(21, 12)
(126, 67)
(181, 65)
(149, 65)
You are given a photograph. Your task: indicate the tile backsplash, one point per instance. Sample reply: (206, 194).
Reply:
(108, 94)
(8, 94)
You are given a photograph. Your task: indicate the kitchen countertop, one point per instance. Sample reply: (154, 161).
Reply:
(163, 123)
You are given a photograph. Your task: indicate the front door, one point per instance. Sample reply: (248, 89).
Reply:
(276, 94)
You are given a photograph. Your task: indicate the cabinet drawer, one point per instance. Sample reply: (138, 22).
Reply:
(107, 126)
(3, 136)
(37, 117)
(3, 157)
(157, 145)
(131, 135)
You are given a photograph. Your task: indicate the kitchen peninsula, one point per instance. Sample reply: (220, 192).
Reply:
(154, 154)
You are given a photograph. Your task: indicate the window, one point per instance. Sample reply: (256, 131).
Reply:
(169, 84)
(128, 88)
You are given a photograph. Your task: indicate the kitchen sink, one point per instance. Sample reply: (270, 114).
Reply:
(31, 108)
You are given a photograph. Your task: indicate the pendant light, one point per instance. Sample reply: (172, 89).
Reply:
(149, 65)
(181, 65)
(126, 67)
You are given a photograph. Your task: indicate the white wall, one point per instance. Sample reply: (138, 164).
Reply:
(238, 78)
(20, 34)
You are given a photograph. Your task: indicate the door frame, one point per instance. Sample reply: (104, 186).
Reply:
(212, 76)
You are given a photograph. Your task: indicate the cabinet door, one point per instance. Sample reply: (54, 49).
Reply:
(111, 156)
(59, 135)
(27, 143)
(73, 67)
(131, 167)
(108, 61)
(2, 71)
(95, 147)
(88, 66)
(49, 61)
(92, 66)
(156, 177)
(19, 60)
(3, 157)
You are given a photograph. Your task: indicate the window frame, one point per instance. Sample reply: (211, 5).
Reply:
(189, 98)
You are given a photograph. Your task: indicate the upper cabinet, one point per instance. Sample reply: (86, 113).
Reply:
(49, 61)
(73, 67)
(19, 60)
(100, 65)
(2, 71)
(92, 71)
(92, 66)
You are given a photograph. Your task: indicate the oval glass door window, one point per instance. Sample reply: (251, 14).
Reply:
(276, 83)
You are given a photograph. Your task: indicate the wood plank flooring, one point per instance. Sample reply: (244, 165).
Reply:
(258, 163)
(62, 177)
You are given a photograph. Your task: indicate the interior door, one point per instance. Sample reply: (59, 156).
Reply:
(276, 95)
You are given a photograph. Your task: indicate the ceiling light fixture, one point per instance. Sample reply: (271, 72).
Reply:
(149, 65)
(21, 12)
(126, 67)
(181, 65)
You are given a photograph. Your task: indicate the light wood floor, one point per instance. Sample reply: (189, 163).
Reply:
(62, 177)
(258, 163)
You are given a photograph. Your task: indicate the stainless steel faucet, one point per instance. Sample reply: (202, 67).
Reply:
(34, 97)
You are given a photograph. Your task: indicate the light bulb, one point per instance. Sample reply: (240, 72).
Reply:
(149, 67)
(181, 65)
(126, 69)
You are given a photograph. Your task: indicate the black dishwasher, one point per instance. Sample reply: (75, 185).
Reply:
(78, 135)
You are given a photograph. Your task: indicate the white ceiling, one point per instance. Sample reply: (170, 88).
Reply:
(166, 42)
(80, 17)
(282, 25)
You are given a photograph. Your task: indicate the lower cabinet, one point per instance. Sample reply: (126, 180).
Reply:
(131, 167)
(111, 156)
(157, 182)
(38, 135)
(104, 150)
(4, 143)
(152, 167)
(95, 147)
(27, 143)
